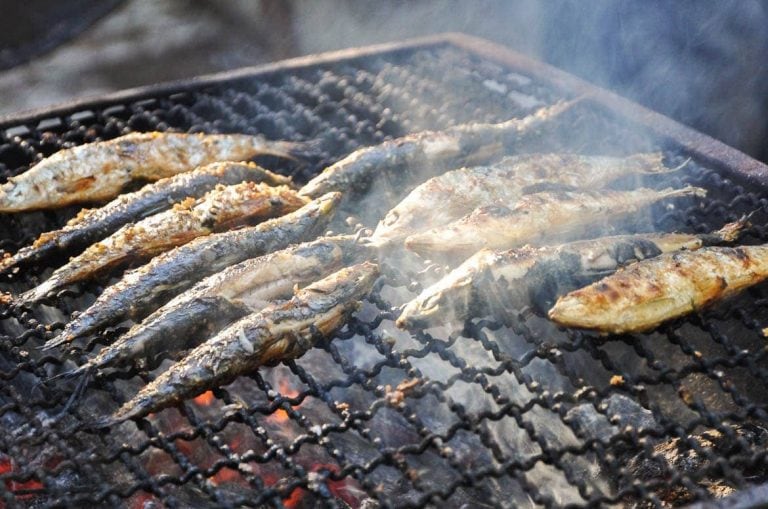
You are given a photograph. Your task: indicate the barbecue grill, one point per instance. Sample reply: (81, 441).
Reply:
(500, 411)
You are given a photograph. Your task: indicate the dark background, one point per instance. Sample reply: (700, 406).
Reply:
(703, 63)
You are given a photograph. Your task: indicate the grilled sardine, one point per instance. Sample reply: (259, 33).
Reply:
(143, 290)
(99, 171)
(535, 276)
(447, 197)
(222, 298)
(279, 332)
(92, 225)
(537, 217)
(355, 171)
(222, 208)
(645, 294)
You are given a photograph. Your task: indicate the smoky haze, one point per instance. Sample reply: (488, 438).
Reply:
(702, 63)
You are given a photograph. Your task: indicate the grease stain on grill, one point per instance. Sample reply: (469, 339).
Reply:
(506, 411)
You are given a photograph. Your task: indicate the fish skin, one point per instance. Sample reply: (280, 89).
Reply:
(221, 208)
(643, 295)
(448, 197)
(280, 332)
(146, 288)
(241, 289)
(92, 225)
(355, 171)
(526, 276)
(99, 171)
(537, 217)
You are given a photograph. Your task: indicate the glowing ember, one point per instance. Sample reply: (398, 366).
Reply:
(285, 389)
(144, 500)
(294, 499)
(18, 488)
(205, 399)
(226, 475)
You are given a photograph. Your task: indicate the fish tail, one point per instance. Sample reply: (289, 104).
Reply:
(85, 370)
(136, 407)
(698, 192)
(296, 150)
(731, 231)
(680, 166)
(38, 293)
(27, 256)
(58, 341)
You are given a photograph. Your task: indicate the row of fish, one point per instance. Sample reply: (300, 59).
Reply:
(220, 292)
(174, 223)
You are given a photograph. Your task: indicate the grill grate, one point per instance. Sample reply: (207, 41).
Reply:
(502, 411)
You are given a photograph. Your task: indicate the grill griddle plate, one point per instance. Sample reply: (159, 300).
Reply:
(499, 411)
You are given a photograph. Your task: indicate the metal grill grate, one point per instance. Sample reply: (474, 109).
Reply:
(503, 411)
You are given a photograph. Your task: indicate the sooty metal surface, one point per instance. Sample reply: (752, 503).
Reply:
(501, 411)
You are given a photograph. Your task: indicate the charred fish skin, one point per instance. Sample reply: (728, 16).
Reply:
(92, 225)
(535, 276)
(280, 332)
(449, 196)
(221, 208)
(643, 295)
(537, 217)
(244, 288)
(144, 289)
(99, 171)
(354, 172)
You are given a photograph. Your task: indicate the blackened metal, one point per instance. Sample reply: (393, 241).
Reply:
(502, 410)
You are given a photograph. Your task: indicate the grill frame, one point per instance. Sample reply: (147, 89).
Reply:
(715, 153)
(719, 156)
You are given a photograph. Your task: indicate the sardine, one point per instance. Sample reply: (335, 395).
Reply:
(536, 217)
(99, 171)
(645, 294)
(357, 170)
(146, 288)
(92, 225)
(279, 332)
(535, 276)
(220, 209)
(448, 197)
(241, 289)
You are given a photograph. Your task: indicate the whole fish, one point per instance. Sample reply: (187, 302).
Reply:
(146, 288)
(231, 294)
(447, 197)
(99, 171)
(92, 225)
(535, 218)
(357, 170)
(222, 208)
(279, 332)
(534, 276)
(645, 294)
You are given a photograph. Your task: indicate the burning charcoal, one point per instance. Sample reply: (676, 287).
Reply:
(683, 457)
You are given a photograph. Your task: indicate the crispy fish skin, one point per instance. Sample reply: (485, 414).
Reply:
(645, 294)
(98, 171)
(146, 288)
(536, 217)
(231, 294)
(92, 225)
(279, 332)
(528, 276)
(219, 209)
(450, 196)
(356, 170)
